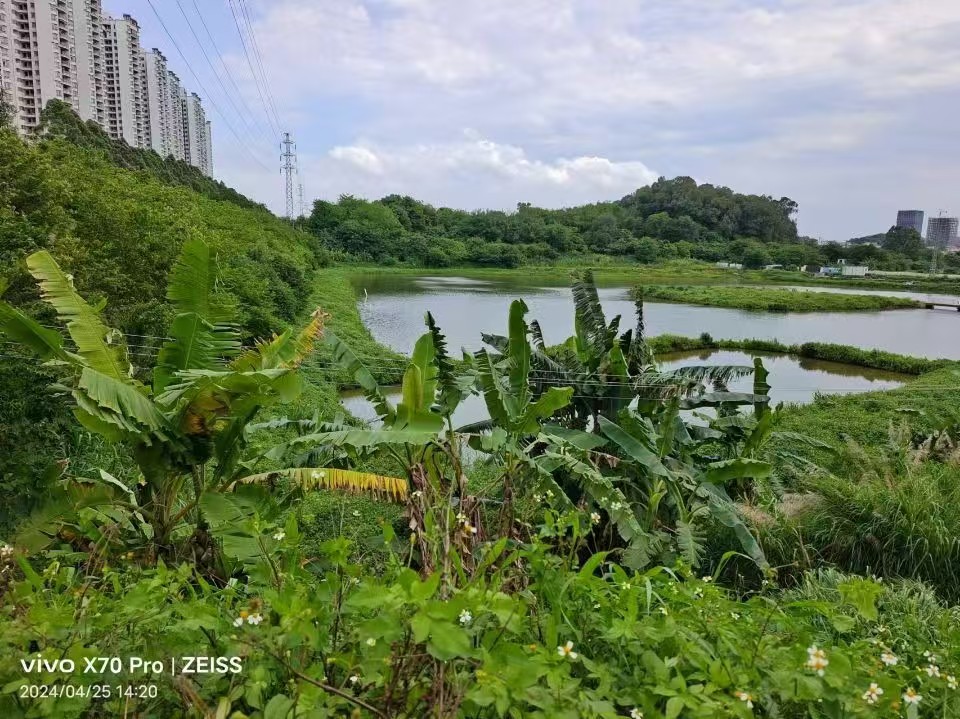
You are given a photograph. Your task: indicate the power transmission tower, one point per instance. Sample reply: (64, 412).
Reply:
(289, 158)
(303, 206)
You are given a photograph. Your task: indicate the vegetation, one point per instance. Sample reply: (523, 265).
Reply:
(118, 233)
(669, 220)
(763, 299)
(550, 576)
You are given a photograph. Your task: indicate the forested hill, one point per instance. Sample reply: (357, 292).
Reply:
(669, 219)
(59, 120)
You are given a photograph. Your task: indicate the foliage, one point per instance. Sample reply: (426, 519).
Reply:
(763, 299)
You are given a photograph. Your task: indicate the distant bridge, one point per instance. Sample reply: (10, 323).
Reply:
(941, 305)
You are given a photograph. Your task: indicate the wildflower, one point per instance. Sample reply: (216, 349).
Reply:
(595, 517)
(254, 619)
(626, 585)
(708, 579)
(356, 513)
(538, 498)
(911, 696)
(636, 714)
(354, 678)
(549, 494)
(469, 528)
(280, 535)
(461, 517)
(889, 658)
(951, 681)
(698, 592)
(930, 657)
(663, 611)
(734, 616)
(873, 693)
(816, 660)
(466, 617)
(6, 552)
(933, 670)
(371, 642)
(317, 475)
(238, 622)
(566, 651)
(745, 698)
(417, 494)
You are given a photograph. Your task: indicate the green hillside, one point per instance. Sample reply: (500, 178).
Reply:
(118, 231)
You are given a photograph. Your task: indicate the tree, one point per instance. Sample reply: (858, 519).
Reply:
(905, 240)
(6, 111)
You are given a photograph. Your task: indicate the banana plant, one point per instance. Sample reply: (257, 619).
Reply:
(186, 431)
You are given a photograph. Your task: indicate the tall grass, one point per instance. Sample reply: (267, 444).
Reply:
(891, 519)
(773, 299)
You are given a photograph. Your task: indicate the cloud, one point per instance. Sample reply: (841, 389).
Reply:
(475, 172)
(576, 91)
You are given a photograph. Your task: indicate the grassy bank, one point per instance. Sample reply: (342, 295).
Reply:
(772, 299)
(686, 272)
(874, 359)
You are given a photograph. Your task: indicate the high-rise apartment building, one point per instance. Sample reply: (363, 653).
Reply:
(942, 232)
(125, 65)
(69, 50)
(912, 219)
(197, 134)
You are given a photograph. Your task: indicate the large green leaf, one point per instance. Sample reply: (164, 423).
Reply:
(100, 347)
(425, 360)
(357, 438)
(634, 448)
(554, 399)
(724, 511)
(518, 357)
(344, 356)
(45, 343)
(192, 285)
(494, 394)
(121, 398)
(739, 468)
(195, 344)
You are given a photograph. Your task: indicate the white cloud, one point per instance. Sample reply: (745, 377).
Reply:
(475, 172)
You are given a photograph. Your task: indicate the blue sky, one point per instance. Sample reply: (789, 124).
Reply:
(850, 107)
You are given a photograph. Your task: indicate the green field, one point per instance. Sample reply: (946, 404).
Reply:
(771, 299)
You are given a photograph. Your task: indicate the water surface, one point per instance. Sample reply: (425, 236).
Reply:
(394, 307)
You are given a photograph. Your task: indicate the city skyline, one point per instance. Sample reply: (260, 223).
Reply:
(71, 50)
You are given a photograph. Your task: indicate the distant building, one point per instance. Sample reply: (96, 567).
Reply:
(854, 270)
(911, 219)
(942, 232)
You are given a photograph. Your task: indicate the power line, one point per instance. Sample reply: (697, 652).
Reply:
(203, 89)
(229, 74)
(259, 58)
(253, 73)
(223, 87)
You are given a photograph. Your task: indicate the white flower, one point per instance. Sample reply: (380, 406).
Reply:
(6, 551)
(466, 617)
(698, 592)
(417, 494)
(238, 622)
(932, 670)
(816, 660)
(873, 693)
(371, 642)
(538, 498)
(708, 579)
(930, 657)
(951, 681)
(636, 714)
(746, 698)
(595, 517)
(280, 535)
(566, 651)
(254, 619)
(734, 616)
(356, 513)
(889, 658)
(461, 517)
(663, 611)
(549, 494)
(354, 678)
(911, 696)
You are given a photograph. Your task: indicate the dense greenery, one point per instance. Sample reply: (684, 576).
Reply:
(118, 232)
(669, 220)
(763, 299)
(550, 576)
(58, 120)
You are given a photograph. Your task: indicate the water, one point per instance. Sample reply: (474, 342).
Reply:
(464, 308)
(792, 379)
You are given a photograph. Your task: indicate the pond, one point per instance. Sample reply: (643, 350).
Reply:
(792, 379)
(393, 306)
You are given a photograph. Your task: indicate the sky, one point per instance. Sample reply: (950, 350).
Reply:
(849, 107)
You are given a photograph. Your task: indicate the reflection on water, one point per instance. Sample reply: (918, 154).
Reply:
(792, 380)
(464, 308)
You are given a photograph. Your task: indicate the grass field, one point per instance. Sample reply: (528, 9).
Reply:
(772, 299)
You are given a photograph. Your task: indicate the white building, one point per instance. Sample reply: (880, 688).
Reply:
(128, 111)
(68, 50)
(197, 134)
